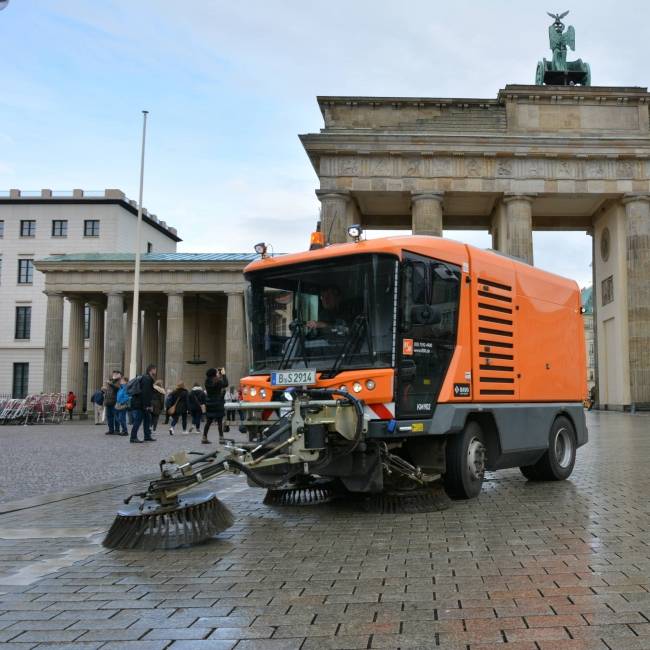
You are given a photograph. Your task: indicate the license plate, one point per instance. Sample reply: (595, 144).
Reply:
(293, 378)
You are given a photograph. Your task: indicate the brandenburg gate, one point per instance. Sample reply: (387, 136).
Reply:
(536, 157)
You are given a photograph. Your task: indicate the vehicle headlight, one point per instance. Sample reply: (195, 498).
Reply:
(263, 393)
(344, 388)
(357, 387)
(370, 384)
(253, 391)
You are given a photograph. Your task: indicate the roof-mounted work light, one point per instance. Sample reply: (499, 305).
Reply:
(355, 231)
(260, 249)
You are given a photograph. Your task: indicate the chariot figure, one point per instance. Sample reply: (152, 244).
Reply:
(559, 71)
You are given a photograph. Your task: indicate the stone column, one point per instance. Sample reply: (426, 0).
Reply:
(235, 338)
(52, 361)
(114, 349)
(637, 227)
(162, 345)
(76, 347)
(426, 209)
(519, 226)
(335, 215)
(149, 337)
(96, 348)
(174, 359)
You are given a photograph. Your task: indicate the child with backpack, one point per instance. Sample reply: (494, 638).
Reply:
(122, 405)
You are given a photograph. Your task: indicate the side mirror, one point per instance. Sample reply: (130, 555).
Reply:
(425, 315)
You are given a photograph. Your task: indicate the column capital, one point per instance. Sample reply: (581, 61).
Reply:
(343, 195)
(113, 293)
(175, 292)
(631, 197)
(514, 196)
(434, 196)
(54, 294)
(75, 297)
(234, 293)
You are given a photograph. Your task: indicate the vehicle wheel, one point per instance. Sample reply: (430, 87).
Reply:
(466, 457)
(557, 462)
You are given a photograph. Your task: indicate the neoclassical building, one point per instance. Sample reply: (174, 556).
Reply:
(192, 316)
(533, 158)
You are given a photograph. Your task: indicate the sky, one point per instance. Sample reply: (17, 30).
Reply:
(230, 85)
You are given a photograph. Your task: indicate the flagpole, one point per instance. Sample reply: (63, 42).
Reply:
(135, 314)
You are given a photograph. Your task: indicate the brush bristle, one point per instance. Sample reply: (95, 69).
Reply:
(196, 518)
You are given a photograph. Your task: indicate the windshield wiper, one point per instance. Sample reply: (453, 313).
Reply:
(357, 331)
(297, 338)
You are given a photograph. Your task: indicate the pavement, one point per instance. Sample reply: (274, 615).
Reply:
(525, 566)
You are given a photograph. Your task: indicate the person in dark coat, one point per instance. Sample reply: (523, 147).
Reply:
(110, 399)
(157, 403)
(178, 401)
(197, 406)
(216, 383)
(141, 406)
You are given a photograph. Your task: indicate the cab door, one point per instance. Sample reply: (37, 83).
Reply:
(429, 294)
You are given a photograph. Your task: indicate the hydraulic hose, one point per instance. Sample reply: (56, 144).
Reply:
(269, 485)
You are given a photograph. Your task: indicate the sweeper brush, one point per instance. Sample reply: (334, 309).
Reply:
(195, 518)
(314, 452)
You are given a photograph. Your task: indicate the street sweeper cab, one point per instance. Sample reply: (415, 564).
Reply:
(463, 360)
(393, 372)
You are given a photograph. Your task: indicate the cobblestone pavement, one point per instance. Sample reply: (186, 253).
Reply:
(39, 459)
(533, 566)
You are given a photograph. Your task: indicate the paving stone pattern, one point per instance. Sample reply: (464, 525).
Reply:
(525, 566)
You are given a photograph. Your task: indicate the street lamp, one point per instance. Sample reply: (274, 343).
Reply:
(135, 314)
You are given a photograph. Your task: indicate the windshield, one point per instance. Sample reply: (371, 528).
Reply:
(328, 315)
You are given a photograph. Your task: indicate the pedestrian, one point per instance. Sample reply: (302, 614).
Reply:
(197, 406)
(177, 407)
(70, 403)
(168, 393)
(157, 403)
(98, 404)
(141, 391)
(231, 415)
(110, 399)
(122, 406)
(215, 384)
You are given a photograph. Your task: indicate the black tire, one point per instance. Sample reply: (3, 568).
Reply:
(530, 472)
(464, 451)
(559, 459)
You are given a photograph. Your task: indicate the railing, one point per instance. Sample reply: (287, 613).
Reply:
(33, 409)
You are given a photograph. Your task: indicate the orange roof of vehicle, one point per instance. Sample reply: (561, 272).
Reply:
(448, 250)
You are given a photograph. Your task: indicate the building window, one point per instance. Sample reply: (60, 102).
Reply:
(86, 321)
(2, 228)
(25, 271)
(28, 228)
(20, 381)
(23, 322)
(91, 228)
(59, 228)
(149, 247)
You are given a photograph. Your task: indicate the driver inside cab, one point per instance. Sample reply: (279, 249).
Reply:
(331, 312)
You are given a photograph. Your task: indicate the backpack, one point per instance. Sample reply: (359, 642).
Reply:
(123, 400)
(98, 397)
(134, 387)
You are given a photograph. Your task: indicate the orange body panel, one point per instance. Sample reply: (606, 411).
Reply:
(520, 330)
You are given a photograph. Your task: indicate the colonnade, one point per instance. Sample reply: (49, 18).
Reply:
(162, 338)
(512, 219)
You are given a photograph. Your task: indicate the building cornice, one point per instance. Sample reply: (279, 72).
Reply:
(69, 200)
